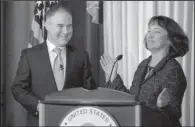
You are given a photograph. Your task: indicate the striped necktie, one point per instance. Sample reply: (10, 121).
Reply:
(58, 69)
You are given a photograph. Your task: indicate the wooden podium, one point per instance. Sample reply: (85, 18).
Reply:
(81, 107)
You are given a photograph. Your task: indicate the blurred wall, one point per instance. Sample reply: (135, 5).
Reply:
(17, 23)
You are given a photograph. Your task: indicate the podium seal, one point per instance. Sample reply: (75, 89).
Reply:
(88, 116)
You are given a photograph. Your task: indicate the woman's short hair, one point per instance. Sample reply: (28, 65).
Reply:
(179, 41)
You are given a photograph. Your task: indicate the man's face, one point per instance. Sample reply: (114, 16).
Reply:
(59, 28)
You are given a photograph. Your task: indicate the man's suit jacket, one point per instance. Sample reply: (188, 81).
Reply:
(34, 77)
(167, 73)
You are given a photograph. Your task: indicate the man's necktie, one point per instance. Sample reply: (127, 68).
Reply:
(58, 69)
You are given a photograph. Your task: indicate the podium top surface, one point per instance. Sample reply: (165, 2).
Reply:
(81, 96)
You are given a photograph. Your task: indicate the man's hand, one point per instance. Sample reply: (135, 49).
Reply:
(107, 63)
(163, 98)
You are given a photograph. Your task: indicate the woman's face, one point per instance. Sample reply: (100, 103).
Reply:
(156, 37)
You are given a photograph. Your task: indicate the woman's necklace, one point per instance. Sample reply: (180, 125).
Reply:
(150, 70)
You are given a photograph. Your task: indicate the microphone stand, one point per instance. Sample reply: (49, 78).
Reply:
(117, 59)
(111, 73)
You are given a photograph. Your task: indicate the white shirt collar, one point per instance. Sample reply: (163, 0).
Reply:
(51, 46)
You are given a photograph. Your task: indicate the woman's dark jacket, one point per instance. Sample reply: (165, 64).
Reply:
(166, 74)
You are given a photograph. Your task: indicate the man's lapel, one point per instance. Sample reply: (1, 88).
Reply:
(46, 68)
(70, 59)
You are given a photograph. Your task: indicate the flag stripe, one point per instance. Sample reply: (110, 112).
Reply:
(33, 40)
(38, 32)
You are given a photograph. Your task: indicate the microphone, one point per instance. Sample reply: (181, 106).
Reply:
(119, 57)
(61, 67)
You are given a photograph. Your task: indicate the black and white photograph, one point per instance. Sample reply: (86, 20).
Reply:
(97, 63)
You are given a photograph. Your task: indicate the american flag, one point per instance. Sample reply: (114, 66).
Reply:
(38, 32)
(95, 9)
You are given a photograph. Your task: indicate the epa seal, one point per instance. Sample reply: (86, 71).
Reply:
(88, 116)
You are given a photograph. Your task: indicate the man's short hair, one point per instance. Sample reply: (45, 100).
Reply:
(56, 8)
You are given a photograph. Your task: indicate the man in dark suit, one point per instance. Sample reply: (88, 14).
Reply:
(51, 66)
